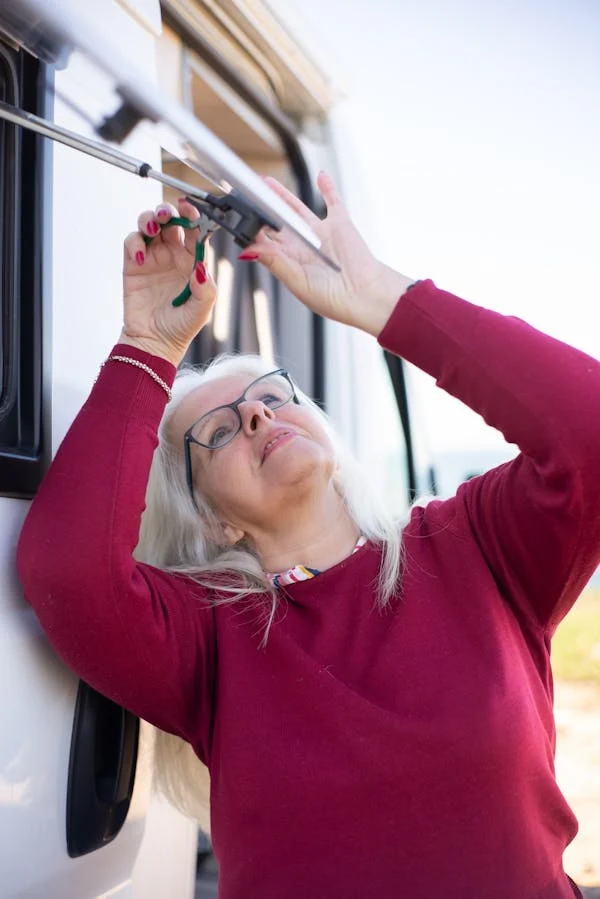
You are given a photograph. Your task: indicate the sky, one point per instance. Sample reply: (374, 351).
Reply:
(470, 134)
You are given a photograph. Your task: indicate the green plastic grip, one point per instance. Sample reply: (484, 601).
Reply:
(186, 223)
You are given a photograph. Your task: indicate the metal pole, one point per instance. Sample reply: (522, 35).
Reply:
(136, 167)
(94, 148)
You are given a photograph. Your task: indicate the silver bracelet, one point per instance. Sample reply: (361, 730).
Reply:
(145, 368)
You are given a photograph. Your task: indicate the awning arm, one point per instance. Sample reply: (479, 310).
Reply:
(244, 229)
(95, 148)
(66, 24)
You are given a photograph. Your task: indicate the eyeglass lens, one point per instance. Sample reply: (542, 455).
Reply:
(218, 427)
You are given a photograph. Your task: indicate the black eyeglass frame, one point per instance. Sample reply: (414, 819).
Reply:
(188, 437)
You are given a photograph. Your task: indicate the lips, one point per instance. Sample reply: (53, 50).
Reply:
(274, 439)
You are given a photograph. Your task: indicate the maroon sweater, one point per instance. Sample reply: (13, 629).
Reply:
(405, 754)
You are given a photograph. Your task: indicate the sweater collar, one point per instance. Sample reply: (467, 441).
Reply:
(303, 572)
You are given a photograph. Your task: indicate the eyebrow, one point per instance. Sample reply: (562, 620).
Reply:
(225, 403)
(217, 405)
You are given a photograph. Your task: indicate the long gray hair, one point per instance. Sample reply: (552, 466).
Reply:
(175, 536)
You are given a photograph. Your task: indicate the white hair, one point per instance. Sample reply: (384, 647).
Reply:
(176, 536)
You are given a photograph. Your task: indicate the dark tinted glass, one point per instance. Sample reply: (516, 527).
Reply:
(25, 182)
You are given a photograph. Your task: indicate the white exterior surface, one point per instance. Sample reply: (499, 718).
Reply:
(94, 206)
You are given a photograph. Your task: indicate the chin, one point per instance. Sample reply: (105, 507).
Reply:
(306, 470)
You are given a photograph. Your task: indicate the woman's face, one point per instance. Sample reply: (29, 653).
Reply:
(279, 457)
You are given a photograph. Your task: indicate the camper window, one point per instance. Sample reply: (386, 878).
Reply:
(22, 275)
(253, 314)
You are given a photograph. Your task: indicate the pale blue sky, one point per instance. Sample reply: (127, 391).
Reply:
(477, 130)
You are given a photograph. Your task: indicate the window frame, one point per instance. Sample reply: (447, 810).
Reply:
(24, 424)
(314, 380)
(205, 347)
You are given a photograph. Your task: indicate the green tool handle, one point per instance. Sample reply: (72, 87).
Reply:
(198, 257)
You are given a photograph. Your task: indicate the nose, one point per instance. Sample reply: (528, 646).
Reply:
(252, 413)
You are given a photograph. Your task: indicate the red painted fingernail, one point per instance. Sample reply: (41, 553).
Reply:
(152, 228)
(201, 273)
(139, 257)
(248, 256)
(163, 212)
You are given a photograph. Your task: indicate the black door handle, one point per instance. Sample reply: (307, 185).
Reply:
(102, 764)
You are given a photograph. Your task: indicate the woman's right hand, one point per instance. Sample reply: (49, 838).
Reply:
(153, 275)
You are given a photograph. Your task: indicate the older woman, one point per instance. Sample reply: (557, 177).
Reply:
(373, 702)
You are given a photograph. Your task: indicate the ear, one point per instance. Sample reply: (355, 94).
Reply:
(232, 534)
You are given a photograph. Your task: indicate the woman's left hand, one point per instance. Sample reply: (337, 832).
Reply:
(155, 273)
(363, 293)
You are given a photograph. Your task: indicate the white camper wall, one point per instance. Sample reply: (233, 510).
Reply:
(358, 389)
(94, 207)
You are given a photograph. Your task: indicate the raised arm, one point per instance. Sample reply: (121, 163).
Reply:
(139, 635)
(537, 519)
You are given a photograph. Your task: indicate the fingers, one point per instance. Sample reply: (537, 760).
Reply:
(149, 224)
(202, 286)
(328, 190)
(272, 234)
(134, 248)
(187, 209)
(279, 263)
(293, 202)
(164, 212)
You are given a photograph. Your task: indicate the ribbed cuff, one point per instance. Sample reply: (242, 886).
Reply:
(400, 321)
(434, 329)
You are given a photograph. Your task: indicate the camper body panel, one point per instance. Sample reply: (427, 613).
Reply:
(93, 207)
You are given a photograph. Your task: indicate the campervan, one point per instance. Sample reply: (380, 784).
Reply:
(209, 96)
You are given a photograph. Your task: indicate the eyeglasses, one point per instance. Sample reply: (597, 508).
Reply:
(217, 428)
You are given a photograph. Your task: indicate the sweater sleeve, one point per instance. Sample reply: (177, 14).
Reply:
(141, 636)
(536, 519)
